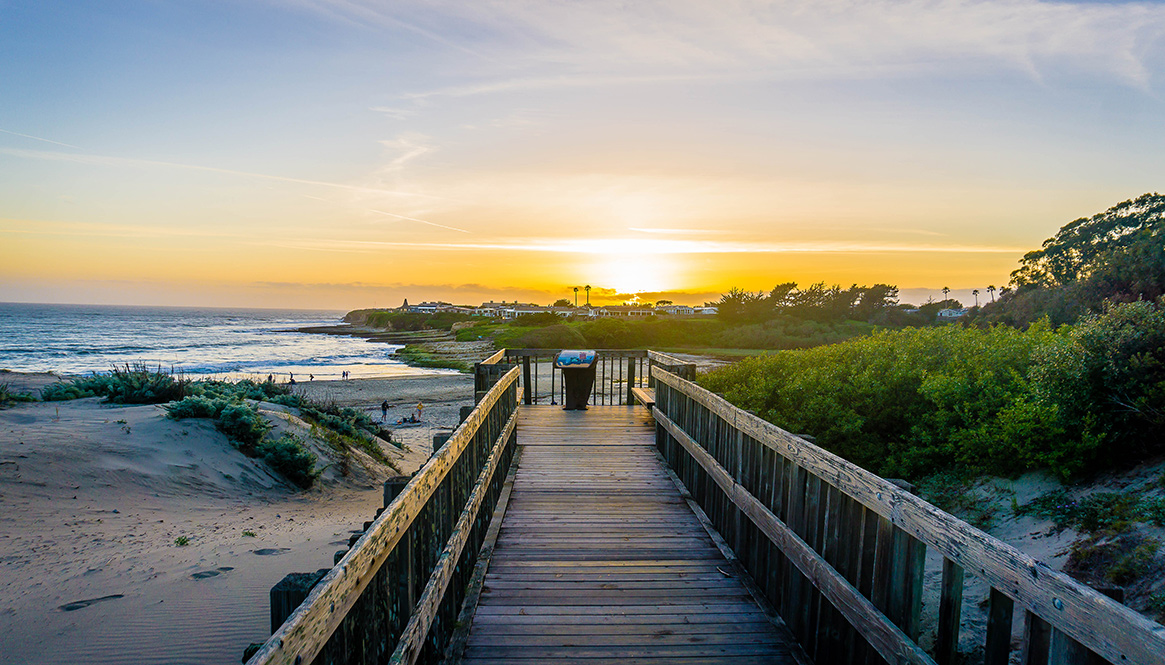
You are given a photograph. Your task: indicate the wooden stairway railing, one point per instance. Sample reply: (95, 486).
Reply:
(396, 595)
(840, 552)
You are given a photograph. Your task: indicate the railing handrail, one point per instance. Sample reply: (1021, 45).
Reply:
(308, 629)
(495, 358)
(1099, 623)
(540, 353)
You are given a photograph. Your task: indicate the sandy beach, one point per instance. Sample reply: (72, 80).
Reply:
(97, 500)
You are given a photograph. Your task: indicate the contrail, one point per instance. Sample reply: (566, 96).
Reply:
(37, 138)
(414, 219)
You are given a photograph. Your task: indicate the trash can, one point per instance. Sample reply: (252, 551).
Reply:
(578, 377)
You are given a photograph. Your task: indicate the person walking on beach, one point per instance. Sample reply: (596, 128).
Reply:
(420, 407)
(383, 410)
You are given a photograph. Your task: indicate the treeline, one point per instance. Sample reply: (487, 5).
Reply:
(913, 402)
(1112, 257)
(817, 302)
(668, 332)
(404, 321)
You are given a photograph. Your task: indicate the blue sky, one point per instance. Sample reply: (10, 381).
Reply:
(347, 153)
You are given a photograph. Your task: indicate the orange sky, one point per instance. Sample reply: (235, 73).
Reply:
(338, 155)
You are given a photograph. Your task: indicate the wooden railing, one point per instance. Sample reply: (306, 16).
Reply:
(396, 594)
(618, 372)
(840, 552)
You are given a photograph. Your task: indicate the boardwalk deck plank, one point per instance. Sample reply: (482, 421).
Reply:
(599, 559)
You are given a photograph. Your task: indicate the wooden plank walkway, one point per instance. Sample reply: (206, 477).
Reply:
(600, 560)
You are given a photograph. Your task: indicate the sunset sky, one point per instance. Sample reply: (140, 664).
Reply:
(349, 153)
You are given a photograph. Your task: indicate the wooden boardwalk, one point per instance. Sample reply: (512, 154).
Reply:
(600, 560)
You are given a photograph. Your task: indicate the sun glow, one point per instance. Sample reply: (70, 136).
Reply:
(636, 273)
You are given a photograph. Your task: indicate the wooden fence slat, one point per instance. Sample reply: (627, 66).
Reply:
(999, 617)
(950, 609)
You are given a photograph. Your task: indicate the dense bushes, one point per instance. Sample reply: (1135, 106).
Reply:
(129, 384)
(290, 457)
(917, 401)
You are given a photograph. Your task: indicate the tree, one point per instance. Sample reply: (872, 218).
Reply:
(561, 302)
(991, 290)
(946, 292)
(661, 303)
(587, 288)
(576, 296)
(1080, 247)
(975, 292)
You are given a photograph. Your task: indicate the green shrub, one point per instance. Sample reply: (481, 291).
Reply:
(129, 384)
(1106, 378)
(1133, 565)
(290, 457)
(559, 336)
(905, 403)
(67, 390)
(9, 396)
(196, 407)
(1099, 512)
(243, 424)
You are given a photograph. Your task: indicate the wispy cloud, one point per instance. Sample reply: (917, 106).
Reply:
(106, 160)
(638, 247)
(37, 138)
(545, 45)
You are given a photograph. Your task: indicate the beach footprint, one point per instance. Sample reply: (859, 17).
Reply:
(204, 574)
(81, 604)
(271, 551)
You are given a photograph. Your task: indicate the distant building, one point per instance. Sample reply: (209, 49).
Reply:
(428, 308)
(706, 310)
(677, 310)
(631, 311)
(951, 314)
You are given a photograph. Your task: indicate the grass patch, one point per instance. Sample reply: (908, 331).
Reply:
(1102, 512)
(418, 357)
(957, 494)
(8, 396)
(181, 541)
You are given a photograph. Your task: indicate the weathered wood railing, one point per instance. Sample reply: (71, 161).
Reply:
(840, 552)
(618, 372)
(396, 595)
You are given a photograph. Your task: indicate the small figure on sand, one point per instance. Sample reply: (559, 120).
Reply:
(311, 377)
(270, 378)
(420, 408)
(383, 410)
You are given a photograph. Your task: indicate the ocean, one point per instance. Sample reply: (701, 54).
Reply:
(198, 342)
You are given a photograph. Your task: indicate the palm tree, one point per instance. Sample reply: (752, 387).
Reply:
(946, 291)
(576, 296)
(587, 288)
(991, 290)
(975, 292)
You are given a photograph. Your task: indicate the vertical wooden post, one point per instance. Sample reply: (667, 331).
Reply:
(393, 487)
(999, 616)
(949, 613)
(1037, 635)
(526, 380)
(630, 380)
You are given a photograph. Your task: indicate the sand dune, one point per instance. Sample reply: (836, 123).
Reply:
(94, 499)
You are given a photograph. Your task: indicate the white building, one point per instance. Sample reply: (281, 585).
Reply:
(951, 314)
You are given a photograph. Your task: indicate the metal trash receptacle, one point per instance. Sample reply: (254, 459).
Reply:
(578, 377)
